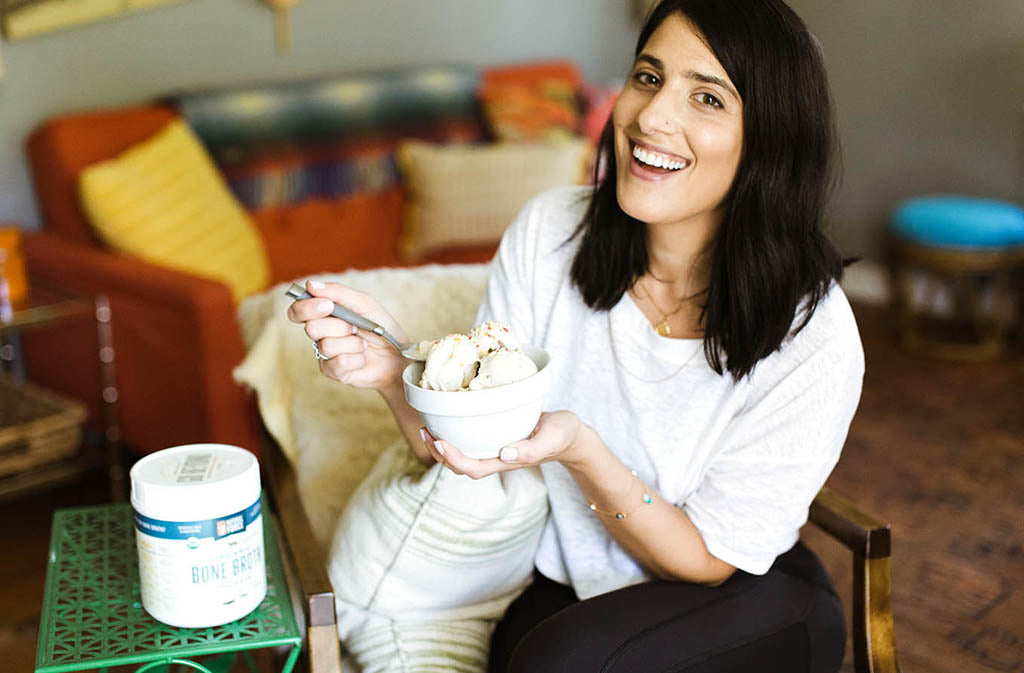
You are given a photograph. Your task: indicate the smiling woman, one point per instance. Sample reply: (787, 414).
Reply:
(677, 484)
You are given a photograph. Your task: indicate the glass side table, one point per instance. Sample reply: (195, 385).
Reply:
(92, 613)
(48, 306)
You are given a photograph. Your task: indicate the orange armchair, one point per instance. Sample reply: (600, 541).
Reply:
(175, 335)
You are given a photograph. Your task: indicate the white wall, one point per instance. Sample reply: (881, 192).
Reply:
(202, 43)
(930, 99)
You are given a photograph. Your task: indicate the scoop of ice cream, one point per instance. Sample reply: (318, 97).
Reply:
(451, 363)
(501, 367)
(491, 336)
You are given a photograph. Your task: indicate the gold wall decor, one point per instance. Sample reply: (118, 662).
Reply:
(282, 24)
(27, 18)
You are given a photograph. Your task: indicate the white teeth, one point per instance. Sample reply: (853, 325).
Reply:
(656, 160)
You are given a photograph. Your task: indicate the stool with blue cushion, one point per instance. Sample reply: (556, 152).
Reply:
(974, 248)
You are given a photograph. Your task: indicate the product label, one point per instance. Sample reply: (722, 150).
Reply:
(196, 468)
(191, 571)
(183, 530)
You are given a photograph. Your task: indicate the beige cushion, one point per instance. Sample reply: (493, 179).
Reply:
(164, 201)
(469, 194)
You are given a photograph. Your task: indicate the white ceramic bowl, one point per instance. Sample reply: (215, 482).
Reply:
(480, 422)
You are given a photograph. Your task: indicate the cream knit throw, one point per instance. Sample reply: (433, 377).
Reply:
(422, 561)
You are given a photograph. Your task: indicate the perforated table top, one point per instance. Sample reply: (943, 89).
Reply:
(92, 614)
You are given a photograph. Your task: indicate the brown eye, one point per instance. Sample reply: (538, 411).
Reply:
(709, 100)
(645, 78)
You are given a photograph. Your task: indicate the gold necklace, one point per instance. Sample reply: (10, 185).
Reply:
(663, 328)
(615, 354)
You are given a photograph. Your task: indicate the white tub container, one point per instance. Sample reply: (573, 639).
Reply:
(199, 534)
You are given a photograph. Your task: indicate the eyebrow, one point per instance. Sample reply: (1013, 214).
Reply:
(692, 74)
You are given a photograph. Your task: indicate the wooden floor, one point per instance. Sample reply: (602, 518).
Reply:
(935, 448)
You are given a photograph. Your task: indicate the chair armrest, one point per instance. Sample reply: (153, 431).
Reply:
(306, 558)
(176, 339)
(86, 268)
(874, 643)
(861, 533)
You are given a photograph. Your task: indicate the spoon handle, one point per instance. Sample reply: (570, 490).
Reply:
(298, 292)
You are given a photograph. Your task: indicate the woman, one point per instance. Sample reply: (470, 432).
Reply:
(707, 366)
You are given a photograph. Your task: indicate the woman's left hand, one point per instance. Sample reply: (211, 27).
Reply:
(554, 438)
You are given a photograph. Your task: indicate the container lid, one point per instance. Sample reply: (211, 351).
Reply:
(195, 482)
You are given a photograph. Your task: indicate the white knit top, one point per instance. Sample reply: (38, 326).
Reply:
(742, 459)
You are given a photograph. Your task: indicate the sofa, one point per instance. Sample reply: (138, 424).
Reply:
(315, 165)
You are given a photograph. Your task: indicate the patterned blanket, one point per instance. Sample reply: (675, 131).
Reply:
(285, 143)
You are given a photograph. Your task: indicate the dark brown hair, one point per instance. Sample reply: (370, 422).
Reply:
(770, 253)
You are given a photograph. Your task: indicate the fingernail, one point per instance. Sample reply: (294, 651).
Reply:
(423, 435)
(509, 454)
(316, 285)
(440, 449)
(325, 305)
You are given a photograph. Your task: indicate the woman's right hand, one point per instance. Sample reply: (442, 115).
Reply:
(355, 357)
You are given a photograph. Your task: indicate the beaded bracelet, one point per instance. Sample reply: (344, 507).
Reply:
(645, 499)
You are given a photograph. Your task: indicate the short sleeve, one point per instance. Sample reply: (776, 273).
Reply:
(776, 454)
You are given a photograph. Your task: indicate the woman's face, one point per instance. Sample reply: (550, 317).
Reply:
(678, 130)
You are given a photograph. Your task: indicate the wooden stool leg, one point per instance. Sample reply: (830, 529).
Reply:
(1002, 304)
(970, 275)
(901, 297)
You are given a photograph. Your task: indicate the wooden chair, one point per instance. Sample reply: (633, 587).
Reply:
(870, 540)
(867, 538)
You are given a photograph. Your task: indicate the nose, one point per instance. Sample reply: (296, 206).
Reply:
(661, 114)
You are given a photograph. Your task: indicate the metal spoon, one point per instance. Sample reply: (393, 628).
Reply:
(408, 349)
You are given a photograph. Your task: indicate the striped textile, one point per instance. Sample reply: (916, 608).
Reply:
(163, 201)
(456, 646)
(293, 174)
(285, 143)
(424, 562)
(299, 177)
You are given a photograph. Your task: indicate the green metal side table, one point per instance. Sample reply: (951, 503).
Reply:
(92, 612)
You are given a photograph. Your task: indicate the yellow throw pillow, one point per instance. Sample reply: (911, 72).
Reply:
(164, 201)
(468, 194)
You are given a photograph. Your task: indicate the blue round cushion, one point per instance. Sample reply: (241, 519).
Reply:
(959, 221)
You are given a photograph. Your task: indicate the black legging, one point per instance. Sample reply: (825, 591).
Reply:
(789, 620)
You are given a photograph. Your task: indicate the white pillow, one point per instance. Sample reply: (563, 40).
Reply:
(424, 562)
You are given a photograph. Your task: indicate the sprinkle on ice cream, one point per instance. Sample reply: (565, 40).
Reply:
(487, 357)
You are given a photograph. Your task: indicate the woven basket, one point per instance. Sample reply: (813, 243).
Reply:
(36, 426)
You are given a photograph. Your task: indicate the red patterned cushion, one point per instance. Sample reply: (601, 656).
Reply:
(532, 102)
